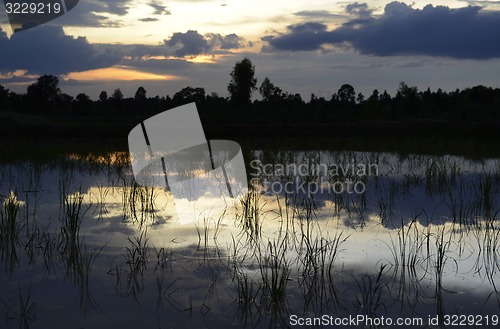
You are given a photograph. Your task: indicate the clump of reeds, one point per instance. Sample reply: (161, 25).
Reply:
(275, 272)
(247, 289)
(27, 312)
(138, 203)
(407, 250)
(250, 216)
(371, 291)
(10, 228)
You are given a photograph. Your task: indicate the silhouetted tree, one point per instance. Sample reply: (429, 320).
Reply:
(360, 98)
(103, 96)
(371, 108)
(82, 98)
(140, 94)
(269, 91)
(117, 95)
(83, 104)
(242, 82)
(346, 94)
(45, 92)
(4, 93)
(405, 91)
(386, 101)
(66, 99)
(385, 97)
(374, 97)
(188, 95)
(407, 101)
(297, 99)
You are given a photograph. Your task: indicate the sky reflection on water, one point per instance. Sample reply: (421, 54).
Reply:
(422, 240)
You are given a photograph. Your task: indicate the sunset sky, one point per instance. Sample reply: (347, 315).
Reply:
(302, 46)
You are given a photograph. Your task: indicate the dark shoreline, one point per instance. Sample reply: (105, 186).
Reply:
(119, 130)
(469, 139)
(421, 128)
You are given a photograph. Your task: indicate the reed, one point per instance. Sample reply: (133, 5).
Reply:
(442, 244)
(251, 213)
(370, 300)
(70, 242)
(138, 203)
(407, 250)
(27, 311)
(10, 229)
(486, 197)
(9, 216)
(460, 204)
(275, 271)
(136, 259)
(82, 276)
(103, 192)
(137, 253)
(246, 288)
(316, 271)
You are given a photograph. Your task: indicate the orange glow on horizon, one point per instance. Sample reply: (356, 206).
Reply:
(18, 74)
(118, 74)
(207, 59)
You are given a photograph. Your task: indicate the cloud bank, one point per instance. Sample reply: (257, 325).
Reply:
(463, 33)
(47, 50)
(192, 43)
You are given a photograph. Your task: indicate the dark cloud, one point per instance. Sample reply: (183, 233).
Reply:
(359, 9)
(160, 66)
(317, 14)
(481, 3)
(307, 27)
(181, 44)
(117, 7)
(88, 19)
(307, 36)
(95, 13)
(3, 37)
(135, 51)
(47, 49)
(159, 9)
(230, 41)
(434, 31)
(192, 43)
(148, 19)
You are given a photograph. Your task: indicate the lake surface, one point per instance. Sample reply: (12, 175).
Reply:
(323, 238)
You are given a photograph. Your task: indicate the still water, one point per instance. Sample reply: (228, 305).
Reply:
(322, 238)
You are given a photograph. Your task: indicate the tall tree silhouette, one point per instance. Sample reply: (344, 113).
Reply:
(44, 93)
(4, 93)
(346, 94)
(189, 94)
(269, 91)
(242, 82)
(117, 95)
(83, 104)
(103, 96)
(140, 94)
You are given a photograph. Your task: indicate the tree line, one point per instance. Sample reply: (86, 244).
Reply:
(45, 98)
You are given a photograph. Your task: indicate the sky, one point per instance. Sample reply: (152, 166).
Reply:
(301, 46)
